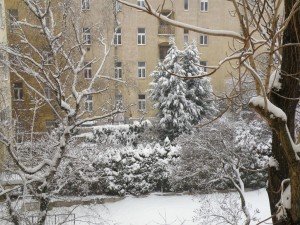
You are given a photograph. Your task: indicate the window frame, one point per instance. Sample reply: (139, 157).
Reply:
(118, 70)
(13, 18)
(186, 5)
(20, 91)
(142, 102)
(204, 65)
(141, 37)
(87, 70)
(88, 104)
(48, 93)
(141, 70)
(203, 39)
(118, 36)
(141, 3)
(86, 36)
(203, 5)
(118, 7)
(119, 100)
(85, 5)
(48, 58)
(185, 36)
(4, 114)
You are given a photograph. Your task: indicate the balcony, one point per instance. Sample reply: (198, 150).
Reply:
(165, 29)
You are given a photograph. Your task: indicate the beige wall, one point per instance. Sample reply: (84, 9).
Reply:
(5, 95)
(217, 17)
(129, 53)
(2, 155)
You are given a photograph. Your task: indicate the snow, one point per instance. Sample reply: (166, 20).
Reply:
(296, 147)
(285, 201)
(275, 80)
(273, 163)
(274, 110)
(159, 209)
(286, 198)
(88, 135)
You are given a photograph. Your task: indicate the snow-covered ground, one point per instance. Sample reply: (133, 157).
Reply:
(156, 209)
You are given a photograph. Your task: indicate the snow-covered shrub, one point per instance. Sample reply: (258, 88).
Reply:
(253, 140)
(137, 170)
(181, 103)
(118, 171)
(245, 141)
(126, 134)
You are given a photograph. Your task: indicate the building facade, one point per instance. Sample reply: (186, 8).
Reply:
(139, 42)
(145, 41)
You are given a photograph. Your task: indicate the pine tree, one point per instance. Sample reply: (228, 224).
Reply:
(180, 103)
(198, 90)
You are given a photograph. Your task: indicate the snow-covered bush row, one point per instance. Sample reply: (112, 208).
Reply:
(125, 134)
(117, 171)
(242, 140)
(191, 163)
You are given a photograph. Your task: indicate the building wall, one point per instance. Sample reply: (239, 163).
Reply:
(28, 114)
(130, 53)
(5, 96)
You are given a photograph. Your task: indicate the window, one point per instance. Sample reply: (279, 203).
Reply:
(141, 3)
(20, 129)
(13, 17)
(48, 58)
(119, 100)
(48, 21)
(50, 125)
(85, 4)
(163, 51)
(118, 70)
(186, 4)
(87, 71)
(141, 36)
(203, 39)
(47, 91)
(118, 6)
(203, 5)
(89, 103)
(118, 37)
(186, 36)
(18, 91)
(141, 69)
(4, 114)
(87, 38)
(142, 102)
(204, 64)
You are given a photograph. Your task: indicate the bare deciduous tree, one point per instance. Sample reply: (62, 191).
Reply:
(50, 52)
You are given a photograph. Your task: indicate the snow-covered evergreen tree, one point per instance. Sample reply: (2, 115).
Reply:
(181, 103)
(198, 90)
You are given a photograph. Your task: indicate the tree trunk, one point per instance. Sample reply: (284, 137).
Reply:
(286, 99)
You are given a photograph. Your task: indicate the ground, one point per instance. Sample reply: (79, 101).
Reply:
(158, 209)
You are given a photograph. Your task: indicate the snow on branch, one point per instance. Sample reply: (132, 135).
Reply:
(275, 112)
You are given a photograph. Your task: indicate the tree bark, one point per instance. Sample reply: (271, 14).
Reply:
(286, 99)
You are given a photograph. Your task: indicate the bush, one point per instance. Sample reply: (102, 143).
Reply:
(244, 138)
(126, 134)
(119, 171)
